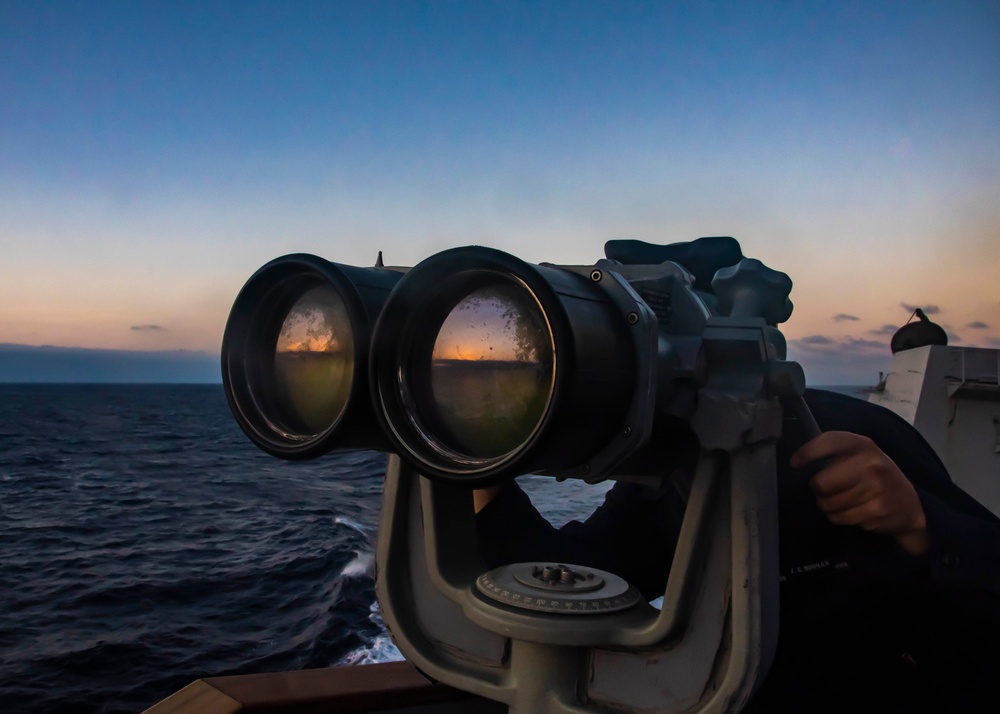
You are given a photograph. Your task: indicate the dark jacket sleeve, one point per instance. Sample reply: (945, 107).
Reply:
(964, 547)
(936, 617)
(632, 534)
(961, 570)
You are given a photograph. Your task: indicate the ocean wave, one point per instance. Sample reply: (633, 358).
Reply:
(133, 568)
(354, 525)
(381, 649)
(363, 566)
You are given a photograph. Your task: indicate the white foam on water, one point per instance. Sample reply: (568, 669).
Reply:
(381, 649)
(340, 520)
(363, 566)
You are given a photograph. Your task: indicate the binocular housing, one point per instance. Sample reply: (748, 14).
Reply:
(474, 365)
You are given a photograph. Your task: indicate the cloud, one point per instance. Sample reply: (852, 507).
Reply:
(854, 343)
(850, 360)
(978, 325)
(844, 348)
(26, 363)
(928, 309)
(841, 317)
(884, 330)
(147, 328)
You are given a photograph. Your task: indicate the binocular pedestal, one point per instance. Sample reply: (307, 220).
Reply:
(705, 650)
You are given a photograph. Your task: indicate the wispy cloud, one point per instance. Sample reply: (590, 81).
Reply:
(884, 330)
(978, 325)
(848, 360)
(25, 363)
(842, 317)
(928, 309)
(862, 343)
(815, 340)
(148, 328)
(845, 346)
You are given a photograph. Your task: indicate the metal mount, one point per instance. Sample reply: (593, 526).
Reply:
(590, 646)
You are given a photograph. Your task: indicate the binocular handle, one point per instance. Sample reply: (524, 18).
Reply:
(805, 416)
(751, 289)
(787, 380)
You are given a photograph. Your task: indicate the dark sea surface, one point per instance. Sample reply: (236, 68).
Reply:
(145, 543)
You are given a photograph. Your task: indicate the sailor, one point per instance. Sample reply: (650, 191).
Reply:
(889, 573)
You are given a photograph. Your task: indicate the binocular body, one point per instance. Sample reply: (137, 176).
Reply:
(475, 366)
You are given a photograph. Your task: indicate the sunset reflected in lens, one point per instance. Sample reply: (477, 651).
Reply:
(492, 371)
(314, 361)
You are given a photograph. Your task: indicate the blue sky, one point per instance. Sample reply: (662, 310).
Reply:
(152, 155)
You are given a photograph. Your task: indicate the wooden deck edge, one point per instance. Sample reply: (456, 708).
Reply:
(360, 688)
(199, 697)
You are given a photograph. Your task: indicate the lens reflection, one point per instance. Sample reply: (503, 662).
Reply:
(492, 371)
(314, 361)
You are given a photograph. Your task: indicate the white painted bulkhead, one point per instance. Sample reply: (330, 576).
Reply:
(952, 396)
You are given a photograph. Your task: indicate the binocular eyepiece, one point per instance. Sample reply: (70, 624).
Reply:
(473, 365)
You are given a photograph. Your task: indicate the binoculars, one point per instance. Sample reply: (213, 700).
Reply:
(475, 366)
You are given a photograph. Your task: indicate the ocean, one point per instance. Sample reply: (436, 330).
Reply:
(145, 543)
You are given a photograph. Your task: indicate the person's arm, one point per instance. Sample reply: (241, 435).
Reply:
(928, 514)
(859, 485)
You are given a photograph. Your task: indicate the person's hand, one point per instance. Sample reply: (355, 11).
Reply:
(858, 485)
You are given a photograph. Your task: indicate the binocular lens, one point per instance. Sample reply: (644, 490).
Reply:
(492, 372)
(295, 355)
(314, 362)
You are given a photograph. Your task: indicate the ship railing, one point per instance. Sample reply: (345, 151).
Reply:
(973, 373)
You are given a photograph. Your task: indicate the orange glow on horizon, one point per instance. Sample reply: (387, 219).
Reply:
(311, 344)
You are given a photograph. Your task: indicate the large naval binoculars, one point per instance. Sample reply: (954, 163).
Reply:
(473, 367)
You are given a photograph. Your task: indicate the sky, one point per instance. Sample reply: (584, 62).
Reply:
(154, 154)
